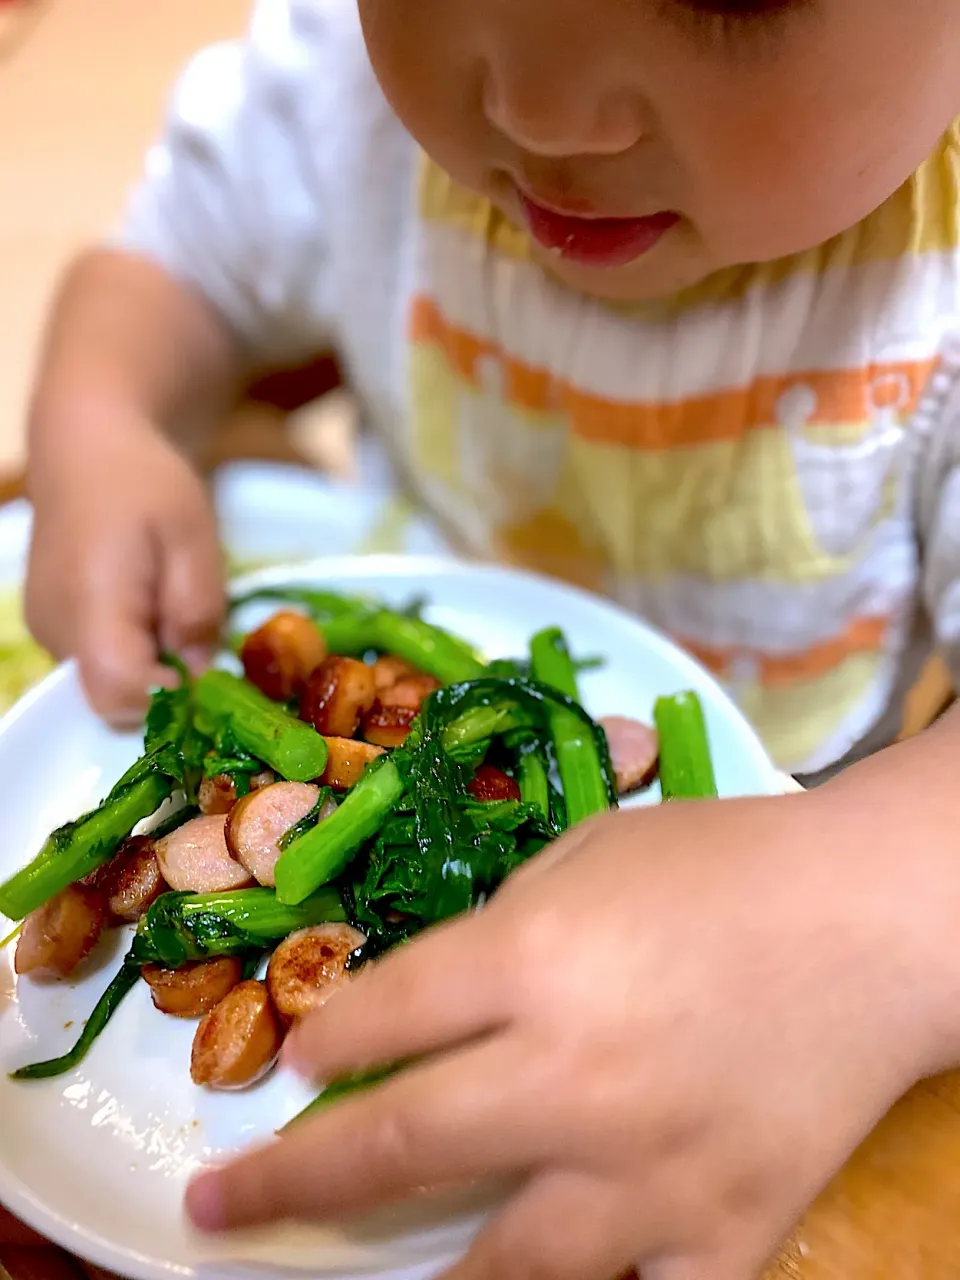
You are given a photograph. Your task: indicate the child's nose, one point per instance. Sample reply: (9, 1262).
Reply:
(547, 119)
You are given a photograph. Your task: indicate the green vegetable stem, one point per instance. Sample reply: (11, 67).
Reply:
(686, 766)
(260, 727)
(171, 754)
(183, 927)
(105, 1008)
(321, 854)
(77, 849)
(551, 662)
(578, 752)
(533, 777)
(352, 625)
(441, 655)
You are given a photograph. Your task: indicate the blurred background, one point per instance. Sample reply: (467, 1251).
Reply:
(82, 90)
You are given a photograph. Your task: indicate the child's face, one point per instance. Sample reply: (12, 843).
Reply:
(720, 131)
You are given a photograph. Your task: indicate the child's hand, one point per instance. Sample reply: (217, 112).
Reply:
(674, 1029)
(124, 562)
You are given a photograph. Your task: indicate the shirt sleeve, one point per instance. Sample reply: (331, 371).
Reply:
(231, 197)
(938, 493)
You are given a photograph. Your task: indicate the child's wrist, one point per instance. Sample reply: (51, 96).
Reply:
(895, 831)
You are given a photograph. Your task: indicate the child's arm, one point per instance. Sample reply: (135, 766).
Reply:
(125, 555)
(217, 270)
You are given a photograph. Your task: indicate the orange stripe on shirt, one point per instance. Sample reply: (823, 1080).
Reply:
(841, 395)
(863, 635)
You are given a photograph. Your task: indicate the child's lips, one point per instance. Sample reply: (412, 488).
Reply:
(595, 242)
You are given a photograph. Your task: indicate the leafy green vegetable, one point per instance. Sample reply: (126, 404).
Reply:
(686, 766)
(321, 605)
(551, 663)
(172, 752)
(174, 822)
(582, 759)
(534, 776)
(451, 853)
(258, 727)
(321, 854)
(439, 654)
(353, 625)
(183, 927)
(306, 823)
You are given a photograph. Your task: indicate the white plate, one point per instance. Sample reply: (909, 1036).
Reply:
(98, 1160)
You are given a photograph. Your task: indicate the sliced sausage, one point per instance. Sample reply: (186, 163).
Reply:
(388, 671)
(218, 795)
(59, 935)
(338, 694)
(634, 751)
(309, 966)
(238, 1040)
(410, 693)
(388, 726)
(260, 820)
(195, 858)
(193, 990)
(346, 762)
(131, 881)
(279, 656)
(490, 784)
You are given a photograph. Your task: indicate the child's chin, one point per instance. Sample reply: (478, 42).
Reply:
(664, 271)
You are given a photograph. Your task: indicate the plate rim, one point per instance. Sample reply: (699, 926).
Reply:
(74, 1236)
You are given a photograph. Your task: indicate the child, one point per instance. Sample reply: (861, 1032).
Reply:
(662, 296)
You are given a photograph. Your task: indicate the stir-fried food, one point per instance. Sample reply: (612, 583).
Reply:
(367, 777)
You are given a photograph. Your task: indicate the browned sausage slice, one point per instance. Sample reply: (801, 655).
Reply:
(634, 751)
(196, 988)
(59, 935)
(388, 671)
(279, 656)
(337, 695)
(410, 693)
(388, 726)
(219, 793)
(131, 881)
(346, 762)
(259, 821)
(309, 966)
(238, 1040)
(195, 858)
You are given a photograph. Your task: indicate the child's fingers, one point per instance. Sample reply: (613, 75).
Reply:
(736, 1263)
(432, 994)
(116, 645)
(563, 1225)
(117, 656)
(464, 1118)
(192, 601)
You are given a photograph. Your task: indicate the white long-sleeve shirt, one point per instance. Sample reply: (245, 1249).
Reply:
(767, 467)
